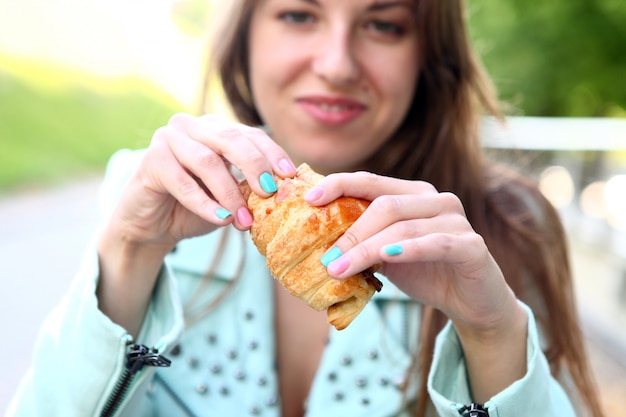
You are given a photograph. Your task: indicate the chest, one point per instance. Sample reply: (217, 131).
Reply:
(262, 351)
(301, 336)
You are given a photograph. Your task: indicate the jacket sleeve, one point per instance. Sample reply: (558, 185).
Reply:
(80, 353)
(536, 394)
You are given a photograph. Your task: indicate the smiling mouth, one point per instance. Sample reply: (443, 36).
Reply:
(332, 111)
(335, 108)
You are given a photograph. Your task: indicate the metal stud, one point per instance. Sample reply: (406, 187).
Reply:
(232, 354)
(338, 396)
(175, 350)
(399, 382)
(193, 362)
(365, 401)
(332, 376)
(261, 381)
(255, 411)
(373, 354)
(383, 381)
(202, 389)
(361, 382)
(224, 391)
(253, 345)
(249, 315)
(212, 339)
(240, 375)
(272, 401)
(346, 360)
(216, 369)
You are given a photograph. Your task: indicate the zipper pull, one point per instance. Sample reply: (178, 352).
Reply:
(141, 355)
(474, 410)
(137, 357)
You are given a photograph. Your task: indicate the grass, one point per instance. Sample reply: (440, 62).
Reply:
(57, 123)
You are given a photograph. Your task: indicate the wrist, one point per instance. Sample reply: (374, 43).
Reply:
(513, 321)
(128, 273)
(495, 356)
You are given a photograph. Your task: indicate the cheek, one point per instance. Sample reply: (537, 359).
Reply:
(271, 70)
(400, 85)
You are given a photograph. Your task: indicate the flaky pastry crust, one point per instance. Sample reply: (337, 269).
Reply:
(294, 235)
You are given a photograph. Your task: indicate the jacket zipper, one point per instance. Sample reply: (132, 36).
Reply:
(138, 357)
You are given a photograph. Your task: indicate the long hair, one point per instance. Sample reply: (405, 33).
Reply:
(439, 142)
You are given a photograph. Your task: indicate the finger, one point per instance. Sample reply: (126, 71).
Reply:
(359, 249)
(256, 155)
(249, 149)
(388, 210)
(466, 250)
(363, 185)
(214, 176)
(397, 217)
(179, 183)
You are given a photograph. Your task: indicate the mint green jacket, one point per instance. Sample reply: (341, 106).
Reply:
(223, 363)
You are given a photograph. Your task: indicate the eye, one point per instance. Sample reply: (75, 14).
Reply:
(297, 18)
(386, 27)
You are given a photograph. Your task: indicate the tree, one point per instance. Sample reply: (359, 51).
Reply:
(555, 58)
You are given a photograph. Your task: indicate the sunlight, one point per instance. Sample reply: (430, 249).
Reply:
(106, 37)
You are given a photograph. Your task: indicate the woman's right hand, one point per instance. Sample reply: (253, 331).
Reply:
(184, 183)
(184, 187)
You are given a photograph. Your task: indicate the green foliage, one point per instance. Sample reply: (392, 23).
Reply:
(56, 123)
(555, 58)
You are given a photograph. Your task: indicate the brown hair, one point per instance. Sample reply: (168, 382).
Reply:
(439, 142)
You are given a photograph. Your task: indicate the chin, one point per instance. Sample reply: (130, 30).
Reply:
(325, 155)
(325, 165)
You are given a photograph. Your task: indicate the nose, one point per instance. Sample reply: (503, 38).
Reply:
(336, 61)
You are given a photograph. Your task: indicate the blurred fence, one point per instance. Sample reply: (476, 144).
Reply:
(580, 164)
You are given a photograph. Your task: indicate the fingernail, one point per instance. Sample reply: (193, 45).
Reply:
(314, 194)
(244, 217)
(339, 266)
(267, 183)
(287, 166)
(222, 213)
(330, 255)
(393, 250)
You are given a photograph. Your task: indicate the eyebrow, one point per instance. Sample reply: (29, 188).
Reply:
(377, 4)
(382, 5)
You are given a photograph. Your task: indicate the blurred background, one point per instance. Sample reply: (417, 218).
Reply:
(80, 79)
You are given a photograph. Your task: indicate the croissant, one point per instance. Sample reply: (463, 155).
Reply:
(293, 236)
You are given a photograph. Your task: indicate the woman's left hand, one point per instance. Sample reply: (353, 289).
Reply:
(426, 244)
(431, 252)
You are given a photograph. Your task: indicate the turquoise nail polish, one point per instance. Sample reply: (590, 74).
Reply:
(267, 183)
(393, 250)
(330, 255)
(222, 213)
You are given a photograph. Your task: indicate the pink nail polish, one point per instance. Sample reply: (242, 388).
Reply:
(314, 194)
(339, 266)
(286, 166)
(244, 217)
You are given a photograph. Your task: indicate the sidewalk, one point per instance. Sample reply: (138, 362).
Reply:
(43, 235)
(42, 238)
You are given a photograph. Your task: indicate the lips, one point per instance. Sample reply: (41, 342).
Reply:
(332, 110)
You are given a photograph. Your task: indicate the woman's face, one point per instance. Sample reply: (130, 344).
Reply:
(333, 79)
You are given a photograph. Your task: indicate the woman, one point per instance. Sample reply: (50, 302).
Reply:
(385, 97)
